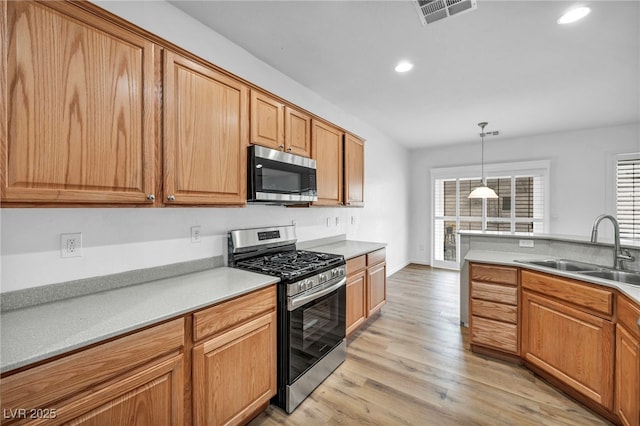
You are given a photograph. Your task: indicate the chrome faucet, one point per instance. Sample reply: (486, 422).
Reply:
(619, 254)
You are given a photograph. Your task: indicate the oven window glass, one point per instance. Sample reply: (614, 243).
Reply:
(314, 329)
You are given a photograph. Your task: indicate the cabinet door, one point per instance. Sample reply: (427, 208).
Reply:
(80, 118)
(326, 144)
(234, 374)
(297, 135)
(353, 171)
(571, 345)
(376, 287)
(205, 134)
(153, 395)
(627, 405)
(267, 121)
(356, 301)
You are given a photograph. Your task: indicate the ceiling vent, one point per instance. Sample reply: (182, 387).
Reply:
(435, 10)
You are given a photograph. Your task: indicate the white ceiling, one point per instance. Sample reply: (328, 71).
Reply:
(507, 62)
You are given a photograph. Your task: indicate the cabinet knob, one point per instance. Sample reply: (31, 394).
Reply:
(281, 146)
(151, 197)
(289, 149)
(171, 198)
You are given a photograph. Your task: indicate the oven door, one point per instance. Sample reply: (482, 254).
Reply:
(279, 177)
(316, 325)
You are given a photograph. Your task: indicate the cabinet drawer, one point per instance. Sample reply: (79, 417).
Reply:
(494, 274)
(494, 334)
(582, 295)
(494, 292)
(356, 264)
(628, 314)
(78, 372)
(493, 310)
(376, 257)
(228, 314)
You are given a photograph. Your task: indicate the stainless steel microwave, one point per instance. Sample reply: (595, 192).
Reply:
(276, 177)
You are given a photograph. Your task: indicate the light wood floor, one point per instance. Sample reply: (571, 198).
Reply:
(411, 366)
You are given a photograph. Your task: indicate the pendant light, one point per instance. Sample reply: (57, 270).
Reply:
(483, 191)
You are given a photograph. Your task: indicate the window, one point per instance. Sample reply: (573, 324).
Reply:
(519, 208)
(628, 195)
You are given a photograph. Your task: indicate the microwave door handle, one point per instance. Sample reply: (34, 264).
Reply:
(296, 302)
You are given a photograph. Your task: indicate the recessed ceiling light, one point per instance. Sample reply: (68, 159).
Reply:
(404, 66)
(574, 15)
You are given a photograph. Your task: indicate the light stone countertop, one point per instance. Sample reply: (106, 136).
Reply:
(509, 259)
(348, 248)
(39, 332)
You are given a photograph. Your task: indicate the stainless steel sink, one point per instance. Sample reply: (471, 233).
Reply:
(587, 269)
(610, 274)
(563, 265)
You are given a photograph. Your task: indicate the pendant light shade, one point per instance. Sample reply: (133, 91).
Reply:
(483, 191)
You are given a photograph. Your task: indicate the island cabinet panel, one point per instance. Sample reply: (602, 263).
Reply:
(588, 298)
(137, 379)
(573, 346)
(353, 170)
(494, 309)
(206, 134)
(234, 367)
(627, 378)
(326, 145)
(80, 103)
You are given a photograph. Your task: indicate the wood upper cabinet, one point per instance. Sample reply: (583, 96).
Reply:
(78, 108)
(267, 121)
(279, 126)
(297, 135)
(135, 380)
(206, 134)
(234, 366)
(326, 148)
(353, 170)
(627, 376)
(494, 308)
(571, 342)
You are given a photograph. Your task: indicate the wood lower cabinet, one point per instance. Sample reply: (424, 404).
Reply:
(326, 145)
(234, 367)
(571, 341)
(353, 170)
(376, 287)
(205, 134)
(627, 376)
(356, 293)
(135, 380)
(366, 288)
(494, 308)
(79, 111)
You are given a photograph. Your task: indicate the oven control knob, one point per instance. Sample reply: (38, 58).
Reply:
(322, 278)
(308, 284)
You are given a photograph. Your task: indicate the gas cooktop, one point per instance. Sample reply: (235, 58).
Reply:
(291, 264)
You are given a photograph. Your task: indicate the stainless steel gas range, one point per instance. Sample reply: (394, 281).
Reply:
(311, 306)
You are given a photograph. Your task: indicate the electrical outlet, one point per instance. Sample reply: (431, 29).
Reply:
(525, 243)
(337, 221)
(71, 245)
(328, 222)
(195, 234)
(353, 220)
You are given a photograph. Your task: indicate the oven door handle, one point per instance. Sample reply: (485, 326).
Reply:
(296, 302)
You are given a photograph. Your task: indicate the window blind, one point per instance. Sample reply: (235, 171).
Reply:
(628, 196)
